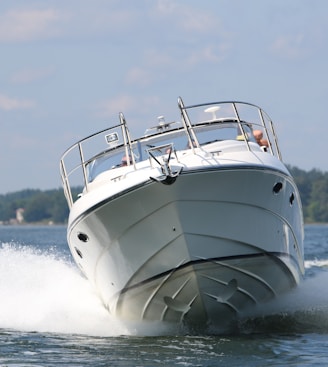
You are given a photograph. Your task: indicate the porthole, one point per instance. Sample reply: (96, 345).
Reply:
(291, 198)
(78, 252)
(277, 187)
(83, 237)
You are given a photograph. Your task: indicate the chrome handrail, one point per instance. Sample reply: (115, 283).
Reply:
(267, 126)
(83, 162)
(125, 144)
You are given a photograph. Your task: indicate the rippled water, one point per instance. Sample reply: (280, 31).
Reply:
(50, 316)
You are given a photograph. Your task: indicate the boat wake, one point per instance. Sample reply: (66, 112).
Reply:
(41, 291)
(304, 310)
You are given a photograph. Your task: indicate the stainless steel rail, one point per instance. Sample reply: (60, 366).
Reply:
(77, 162)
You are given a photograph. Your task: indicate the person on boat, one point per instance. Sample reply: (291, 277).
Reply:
(258, 135)
(125, 160)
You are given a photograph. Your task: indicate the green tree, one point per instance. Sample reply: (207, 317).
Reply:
(38, 208)
(317, 210)
(59, 209)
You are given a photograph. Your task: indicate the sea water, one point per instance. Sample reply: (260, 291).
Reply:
(50, 315)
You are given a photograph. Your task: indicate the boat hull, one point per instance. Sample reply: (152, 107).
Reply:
(199, 251)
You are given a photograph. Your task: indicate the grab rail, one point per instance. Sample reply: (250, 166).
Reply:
(79, 163)
(265, 124)
(75, 160)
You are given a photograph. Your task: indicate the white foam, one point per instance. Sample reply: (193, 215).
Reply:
(309, 297)
(40, 292)
(316, 263)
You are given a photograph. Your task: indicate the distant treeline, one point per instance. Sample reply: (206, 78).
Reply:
(35, 206)
(50, 206)
(313, 188)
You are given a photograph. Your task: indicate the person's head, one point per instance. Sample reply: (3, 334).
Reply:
(258, 135)
(124, 161)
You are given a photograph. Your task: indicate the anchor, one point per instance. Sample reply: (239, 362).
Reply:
(168, 177)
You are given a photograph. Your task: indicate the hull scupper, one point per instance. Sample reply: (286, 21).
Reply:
(195, 235)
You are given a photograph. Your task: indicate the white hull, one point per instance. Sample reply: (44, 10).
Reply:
(215, 251)
(191, 233)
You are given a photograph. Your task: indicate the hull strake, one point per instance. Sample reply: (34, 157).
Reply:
(223, 261)
(207, 291)
(143, 252)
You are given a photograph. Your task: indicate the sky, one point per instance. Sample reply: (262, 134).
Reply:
(69, 67)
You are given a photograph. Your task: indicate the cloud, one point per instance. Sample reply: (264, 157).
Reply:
(126, 104)
(111, 107)
(186, 17)
(154, 61)
(289, 47)
(10, 104)
(209, 54)
(167, 6)
(27, 25)
(138, 76)
(30, 75)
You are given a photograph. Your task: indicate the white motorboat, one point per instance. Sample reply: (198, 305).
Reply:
(199, 221)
